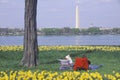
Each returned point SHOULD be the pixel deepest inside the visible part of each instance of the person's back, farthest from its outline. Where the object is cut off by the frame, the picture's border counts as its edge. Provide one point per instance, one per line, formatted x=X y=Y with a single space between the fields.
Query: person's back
x=81 y=63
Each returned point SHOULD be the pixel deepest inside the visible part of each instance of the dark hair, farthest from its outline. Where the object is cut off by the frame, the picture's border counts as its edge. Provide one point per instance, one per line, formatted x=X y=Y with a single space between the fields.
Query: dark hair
x=84 y=55
x=89 y=62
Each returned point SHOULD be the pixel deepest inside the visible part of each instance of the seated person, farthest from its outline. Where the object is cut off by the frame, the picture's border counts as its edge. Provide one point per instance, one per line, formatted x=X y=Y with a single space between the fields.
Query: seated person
x=66 y=63
x=69 y=59
x=81 y=63
x=84 y=64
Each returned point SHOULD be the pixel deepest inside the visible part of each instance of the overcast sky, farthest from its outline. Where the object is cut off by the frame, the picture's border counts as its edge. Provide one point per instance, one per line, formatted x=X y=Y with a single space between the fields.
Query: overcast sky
x=61 y=13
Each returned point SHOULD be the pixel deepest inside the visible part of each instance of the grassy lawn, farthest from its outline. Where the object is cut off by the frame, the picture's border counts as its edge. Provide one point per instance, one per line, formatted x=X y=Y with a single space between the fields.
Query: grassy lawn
x=9 y=60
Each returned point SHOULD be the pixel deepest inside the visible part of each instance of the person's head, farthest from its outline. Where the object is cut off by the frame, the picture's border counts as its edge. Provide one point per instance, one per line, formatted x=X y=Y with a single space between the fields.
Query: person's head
x=84 y=56
x=68 y=56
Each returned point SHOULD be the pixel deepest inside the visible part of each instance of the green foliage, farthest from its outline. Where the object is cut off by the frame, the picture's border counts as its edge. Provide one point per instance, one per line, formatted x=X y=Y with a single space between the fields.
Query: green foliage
x=75 y=31
x=60 y=31
x=116 y=30
x=93 y=30
x=63 y=31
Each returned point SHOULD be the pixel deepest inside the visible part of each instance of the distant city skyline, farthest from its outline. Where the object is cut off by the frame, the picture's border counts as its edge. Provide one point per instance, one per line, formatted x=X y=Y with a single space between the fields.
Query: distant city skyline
x=59 y=14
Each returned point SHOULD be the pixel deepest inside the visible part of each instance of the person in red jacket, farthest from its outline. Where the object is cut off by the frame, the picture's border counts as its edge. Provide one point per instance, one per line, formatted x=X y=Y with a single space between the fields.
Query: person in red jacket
x=81 y=63
x=84 y=64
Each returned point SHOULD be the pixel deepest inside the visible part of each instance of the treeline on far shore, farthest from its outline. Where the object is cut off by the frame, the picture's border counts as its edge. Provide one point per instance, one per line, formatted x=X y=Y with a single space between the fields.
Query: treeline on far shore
x=62 y=31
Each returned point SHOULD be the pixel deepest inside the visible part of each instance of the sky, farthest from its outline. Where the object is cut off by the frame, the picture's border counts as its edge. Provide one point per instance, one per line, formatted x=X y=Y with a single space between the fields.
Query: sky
x=61 y=13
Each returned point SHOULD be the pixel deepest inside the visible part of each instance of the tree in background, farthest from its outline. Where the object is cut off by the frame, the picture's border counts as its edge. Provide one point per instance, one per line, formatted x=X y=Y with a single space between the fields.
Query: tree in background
x=116 y=30
x=93 y=30
x=30 y=56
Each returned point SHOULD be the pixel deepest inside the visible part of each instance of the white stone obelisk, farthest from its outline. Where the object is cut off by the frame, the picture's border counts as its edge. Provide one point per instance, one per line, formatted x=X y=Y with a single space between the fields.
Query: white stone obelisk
x=77 y=14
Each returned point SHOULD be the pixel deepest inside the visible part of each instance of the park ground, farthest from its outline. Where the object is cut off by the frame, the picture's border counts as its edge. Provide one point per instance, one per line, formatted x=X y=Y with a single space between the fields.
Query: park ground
x=48 y=59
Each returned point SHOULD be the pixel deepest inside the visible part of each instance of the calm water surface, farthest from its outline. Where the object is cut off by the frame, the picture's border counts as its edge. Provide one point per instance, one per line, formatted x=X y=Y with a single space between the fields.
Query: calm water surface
x=65 y=40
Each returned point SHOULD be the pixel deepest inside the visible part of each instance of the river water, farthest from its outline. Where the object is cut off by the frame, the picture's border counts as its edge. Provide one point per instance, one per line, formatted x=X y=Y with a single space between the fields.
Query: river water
x=65 y=40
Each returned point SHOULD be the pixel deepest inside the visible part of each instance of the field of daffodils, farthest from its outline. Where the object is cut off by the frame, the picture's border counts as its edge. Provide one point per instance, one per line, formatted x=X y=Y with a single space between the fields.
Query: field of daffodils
x=48 y=75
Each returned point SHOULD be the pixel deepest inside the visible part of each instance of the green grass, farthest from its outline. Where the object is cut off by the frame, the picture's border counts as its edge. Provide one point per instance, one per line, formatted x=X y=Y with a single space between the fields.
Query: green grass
x=48 y=60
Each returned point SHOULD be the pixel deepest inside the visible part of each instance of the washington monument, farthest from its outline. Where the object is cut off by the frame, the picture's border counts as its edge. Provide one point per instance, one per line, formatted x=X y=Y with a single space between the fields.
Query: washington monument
x=77 y=14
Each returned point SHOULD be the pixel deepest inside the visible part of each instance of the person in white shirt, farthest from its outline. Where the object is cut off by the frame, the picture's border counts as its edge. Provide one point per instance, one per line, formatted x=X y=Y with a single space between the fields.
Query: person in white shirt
x=69 y=59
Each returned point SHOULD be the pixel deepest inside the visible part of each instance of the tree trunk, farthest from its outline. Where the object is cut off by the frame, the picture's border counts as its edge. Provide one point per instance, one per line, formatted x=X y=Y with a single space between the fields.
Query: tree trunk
x=30 y=56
